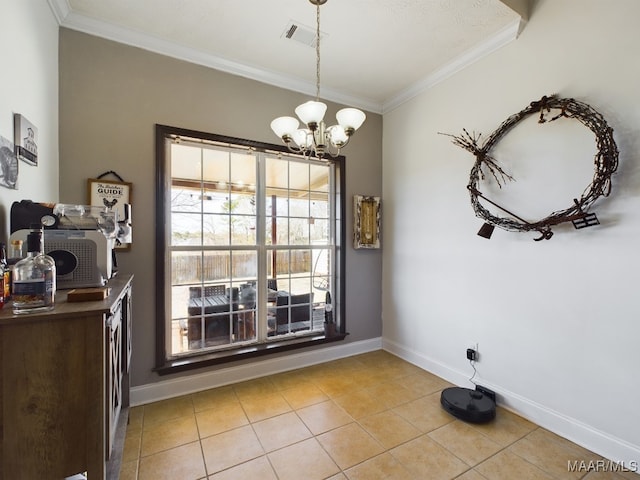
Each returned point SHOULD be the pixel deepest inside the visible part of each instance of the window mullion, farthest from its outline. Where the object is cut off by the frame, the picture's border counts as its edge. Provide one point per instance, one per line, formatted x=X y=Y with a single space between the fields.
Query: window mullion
x=262 y=293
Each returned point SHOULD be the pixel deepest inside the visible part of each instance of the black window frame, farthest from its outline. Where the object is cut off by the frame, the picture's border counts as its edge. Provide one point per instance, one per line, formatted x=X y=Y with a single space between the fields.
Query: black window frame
x=163 y=364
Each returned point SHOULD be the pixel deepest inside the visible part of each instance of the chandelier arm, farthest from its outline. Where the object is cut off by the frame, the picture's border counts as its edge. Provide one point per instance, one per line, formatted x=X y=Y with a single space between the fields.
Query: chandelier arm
x=345 y=143
x=293 y=149
x=336 y=150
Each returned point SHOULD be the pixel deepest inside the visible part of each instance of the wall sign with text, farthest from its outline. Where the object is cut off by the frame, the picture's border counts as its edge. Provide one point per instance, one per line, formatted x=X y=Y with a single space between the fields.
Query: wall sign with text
x=111 y=194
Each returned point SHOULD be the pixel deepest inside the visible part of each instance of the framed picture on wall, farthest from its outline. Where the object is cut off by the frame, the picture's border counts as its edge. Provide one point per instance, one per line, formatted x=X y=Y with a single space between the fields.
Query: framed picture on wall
x=26 y=139
x=111 y=194
x=366 y=222
x=8 y=165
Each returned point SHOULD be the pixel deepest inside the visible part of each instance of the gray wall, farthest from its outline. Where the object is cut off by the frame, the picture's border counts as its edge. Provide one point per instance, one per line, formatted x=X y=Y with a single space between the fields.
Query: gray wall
x=112 y=95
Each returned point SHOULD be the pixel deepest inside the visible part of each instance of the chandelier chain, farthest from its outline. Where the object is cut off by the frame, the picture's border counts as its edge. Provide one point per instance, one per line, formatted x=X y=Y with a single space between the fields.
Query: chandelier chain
x=317 y=51
x=316 y=138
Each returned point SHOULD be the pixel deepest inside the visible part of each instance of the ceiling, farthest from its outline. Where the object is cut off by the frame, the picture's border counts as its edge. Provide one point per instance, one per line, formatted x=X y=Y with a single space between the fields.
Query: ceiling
x=375 y=54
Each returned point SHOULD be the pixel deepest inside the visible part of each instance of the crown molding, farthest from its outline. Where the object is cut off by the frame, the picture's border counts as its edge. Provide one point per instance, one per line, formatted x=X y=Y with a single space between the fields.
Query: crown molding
x=69 y=19
x=148 y=42
x=60 y=9
x=499 y=40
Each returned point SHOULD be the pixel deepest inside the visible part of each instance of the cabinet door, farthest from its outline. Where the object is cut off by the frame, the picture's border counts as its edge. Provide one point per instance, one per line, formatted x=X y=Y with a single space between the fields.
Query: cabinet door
x=113 y=375
x=126 y=332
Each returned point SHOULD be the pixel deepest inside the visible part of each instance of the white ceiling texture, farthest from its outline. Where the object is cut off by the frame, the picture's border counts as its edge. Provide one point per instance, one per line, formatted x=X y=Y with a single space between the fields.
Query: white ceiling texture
x=375 y=54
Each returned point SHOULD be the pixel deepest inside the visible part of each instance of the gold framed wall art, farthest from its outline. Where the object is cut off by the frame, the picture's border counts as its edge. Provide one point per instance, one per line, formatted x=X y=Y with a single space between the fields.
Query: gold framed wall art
x=366 y=222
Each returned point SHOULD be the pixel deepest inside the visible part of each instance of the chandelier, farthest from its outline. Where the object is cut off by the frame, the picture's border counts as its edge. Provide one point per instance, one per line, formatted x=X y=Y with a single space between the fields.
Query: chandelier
x=317 y=139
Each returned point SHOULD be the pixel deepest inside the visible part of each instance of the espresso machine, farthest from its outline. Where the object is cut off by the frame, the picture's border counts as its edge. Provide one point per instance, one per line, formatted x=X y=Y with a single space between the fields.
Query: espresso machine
x=80 y=239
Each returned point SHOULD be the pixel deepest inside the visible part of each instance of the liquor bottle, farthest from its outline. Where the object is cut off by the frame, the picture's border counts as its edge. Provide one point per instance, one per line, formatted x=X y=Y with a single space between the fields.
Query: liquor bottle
x=5 y=282
x=34 y=278
x=15 y=255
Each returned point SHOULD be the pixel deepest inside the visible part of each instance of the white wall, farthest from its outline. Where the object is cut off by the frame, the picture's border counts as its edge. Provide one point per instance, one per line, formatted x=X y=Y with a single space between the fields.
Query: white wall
x=29 y=86
x=557 y=322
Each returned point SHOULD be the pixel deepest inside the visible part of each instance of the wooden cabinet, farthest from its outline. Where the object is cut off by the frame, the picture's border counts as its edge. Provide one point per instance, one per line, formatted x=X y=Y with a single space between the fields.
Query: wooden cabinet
x=64 y=378
x=115 y=372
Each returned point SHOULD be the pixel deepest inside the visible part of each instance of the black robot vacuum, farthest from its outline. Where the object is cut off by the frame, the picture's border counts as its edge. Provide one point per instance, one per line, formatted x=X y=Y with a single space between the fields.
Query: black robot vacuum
x=469 y=405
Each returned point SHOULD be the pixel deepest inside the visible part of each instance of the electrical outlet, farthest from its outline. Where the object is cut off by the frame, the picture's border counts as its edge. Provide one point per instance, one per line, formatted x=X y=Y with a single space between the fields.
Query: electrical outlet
x=472 y=353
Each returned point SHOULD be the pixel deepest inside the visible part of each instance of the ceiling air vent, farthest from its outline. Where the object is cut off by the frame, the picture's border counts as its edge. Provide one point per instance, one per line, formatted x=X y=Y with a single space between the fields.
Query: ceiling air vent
x=300 y=33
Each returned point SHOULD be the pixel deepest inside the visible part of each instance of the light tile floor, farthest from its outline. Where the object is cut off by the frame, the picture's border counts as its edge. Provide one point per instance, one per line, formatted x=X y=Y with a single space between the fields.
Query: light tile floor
x=367 y=417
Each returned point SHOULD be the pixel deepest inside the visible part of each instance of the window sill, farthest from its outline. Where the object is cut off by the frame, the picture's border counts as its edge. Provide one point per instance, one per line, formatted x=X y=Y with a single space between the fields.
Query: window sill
x=227 y=356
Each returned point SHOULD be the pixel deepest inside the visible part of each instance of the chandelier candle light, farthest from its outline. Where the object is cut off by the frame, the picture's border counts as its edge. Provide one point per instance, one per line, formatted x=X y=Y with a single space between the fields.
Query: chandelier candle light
x=317 y=139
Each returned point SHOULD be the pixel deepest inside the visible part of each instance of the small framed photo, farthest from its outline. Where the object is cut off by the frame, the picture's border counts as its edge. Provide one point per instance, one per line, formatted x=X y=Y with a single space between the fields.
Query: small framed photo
x=25 y=136
x=111 y=194
x=8 y=165
x=366 y=222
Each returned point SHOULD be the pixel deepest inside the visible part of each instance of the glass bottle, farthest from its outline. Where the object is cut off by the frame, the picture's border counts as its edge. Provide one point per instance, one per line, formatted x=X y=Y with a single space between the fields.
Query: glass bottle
x=15 y=255
x=15 y=252
x=34 y=278
x=4 y=293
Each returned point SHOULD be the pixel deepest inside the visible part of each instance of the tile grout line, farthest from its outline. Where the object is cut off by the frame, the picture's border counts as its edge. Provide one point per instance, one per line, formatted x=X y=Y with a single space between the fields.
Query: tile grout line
x=204 y=458
x=280 y=387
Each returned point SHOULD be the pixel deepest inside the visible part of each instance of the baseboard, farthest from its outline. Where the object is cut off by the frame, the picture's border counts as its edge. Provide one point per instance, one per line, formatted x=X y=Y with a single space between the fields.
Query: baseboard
x=187 y=384
x=602 y=443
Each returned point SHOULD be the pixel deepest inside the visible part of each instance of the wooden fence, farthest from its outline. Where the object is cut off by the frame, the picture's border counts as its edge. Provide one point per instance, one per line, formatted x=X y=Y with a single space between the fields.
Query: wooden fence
x=193 y=268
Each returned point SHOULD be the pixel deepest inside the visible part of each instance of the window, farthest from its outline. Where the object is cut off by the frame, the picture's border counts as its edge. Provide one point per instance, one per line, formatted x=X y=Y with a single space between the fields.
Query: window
x=248 y=247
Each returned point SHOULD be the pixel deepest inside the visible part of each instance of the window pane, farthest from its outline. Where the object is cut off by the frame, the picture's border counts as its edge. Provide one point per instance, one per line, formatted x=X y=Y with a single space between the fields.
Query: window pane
x=186 y=229
x=179 y=300
x=299 y=207
x=209 y=330
x=185 y=199
x=215 y=201
x=319 y=178
x=283 y=262
x=186 y=162
x=277 y=175
x=282 y=231
x=319 y=207
x=185 y=269
x=243 y=230
x=215 y=229
x=298 y=176
x=244 y=325
x=216 y=168
x=245 y=266
x=243 y=202
x=216 y=267
x=277 y=201
x=292 y=314
x=321 y=276
x=299 y=231
x=319 y=231
x=300 y=284
x=284 y=284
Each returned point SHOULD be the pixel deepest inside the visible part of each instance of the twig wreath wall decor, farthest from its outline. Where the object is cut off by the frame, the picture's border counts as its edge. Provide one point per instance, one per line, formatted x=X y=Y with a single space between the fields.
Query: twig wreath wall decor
x=605 y=162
